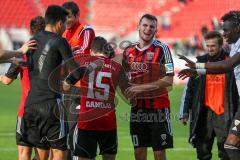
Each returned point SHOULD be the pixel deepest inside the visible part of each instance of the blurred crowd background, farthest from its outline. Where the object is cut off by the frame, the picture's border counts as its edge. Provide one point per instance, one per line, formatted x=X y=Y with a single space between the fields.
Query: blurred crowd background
x=181 y=23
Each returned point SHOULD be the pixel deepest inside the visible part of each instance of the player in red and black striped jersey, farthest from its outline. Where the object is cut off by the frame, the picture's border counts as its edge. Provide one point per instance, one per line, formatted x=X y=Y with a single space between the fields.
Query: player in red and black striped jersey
x=97 y=119
x=150 y=65
x=146 y=66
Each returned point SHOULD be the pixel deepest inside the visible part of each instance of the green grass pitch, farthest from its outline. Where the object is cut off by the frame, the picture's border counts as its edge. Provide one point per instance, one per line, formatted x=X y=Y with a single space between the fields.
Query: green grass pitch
x=10 y=97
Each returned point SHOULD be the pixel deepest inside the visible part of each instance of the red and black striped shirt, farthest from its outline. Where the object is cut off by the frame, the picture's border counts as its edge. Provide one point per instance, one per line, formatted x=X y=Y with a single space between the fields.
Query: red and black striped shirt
x=147 y=65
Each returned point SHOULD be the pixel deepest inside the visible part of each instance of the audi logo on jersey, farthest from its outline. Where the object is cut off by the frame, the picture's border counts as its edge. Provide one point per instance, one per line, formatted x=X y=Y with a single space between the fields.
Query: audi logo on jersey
x=139 y=67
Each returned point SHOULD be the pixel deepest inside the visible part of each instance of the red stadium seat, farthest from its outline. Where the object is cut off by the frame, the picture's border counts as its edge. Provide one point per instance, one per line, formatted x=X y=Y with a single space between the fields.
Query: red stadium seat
x=18 y=13
x=15 y=13
x=189 y=20
x=121 y=16
x=117 y=15
x=81 y=3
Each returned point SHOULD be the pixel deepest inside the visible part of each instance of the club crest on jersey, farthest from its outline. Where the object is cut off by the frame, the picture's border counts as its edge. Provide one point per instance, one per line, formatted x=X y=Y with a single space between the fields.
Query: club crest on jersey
x=164 y=137
x=130 y=55
x=150 y=55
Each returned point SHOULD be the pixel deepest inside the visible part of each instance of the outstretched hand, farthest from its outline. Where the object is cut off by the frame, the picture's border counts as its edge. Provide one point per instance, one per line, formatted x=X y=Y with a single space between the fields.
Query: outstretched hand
x=27 y=46
x=132 y=91
x=131 y=94
x=190 y=63
x=185 y=73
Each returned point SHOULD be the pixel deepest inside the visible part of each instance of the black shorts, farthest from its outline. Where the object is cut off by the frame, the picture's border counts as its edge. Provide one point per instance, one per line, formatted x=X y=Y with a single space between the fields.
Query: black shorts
x=235 y=127
x=72 y=105
x=19 y=131
x=85 y=143
x=45 y=125
x=151 y=128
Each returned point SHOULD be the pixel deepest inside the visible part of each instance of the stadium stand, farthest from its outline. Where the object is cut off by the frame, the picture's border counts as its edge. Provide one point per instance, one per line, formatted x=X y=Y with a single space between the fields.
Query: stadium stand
x=120 y=16
x=116 y=15
x=194 y=15
x=17 y=14
x=83 y=4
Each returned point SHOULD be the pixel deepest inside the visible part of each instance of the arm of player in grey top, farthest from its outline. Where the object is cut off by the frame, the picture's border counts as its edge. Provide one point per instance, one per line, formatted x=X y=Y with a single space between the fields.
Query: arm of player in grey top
x=223 y=66
x=5 y=55
x=4 y=60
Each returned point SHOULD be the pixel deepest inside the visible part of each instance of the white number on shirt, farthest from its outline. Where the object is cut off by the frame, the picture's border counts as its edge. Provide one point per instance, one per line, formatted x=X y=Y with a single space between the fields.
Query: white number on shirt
x=98 y=82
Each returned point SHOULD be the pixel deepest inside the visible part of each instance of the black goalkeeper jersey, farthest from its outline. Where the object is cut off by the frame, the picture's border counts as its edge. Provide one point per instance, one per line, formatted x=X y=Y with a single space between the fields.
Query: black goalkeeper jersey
x=44 y=63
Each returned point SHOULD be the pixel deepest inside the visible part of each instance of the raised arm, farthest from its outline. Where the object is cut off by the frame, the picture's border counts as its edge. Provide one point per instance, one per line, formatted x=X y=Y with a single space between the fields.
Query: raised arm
x=223 y=66
x=6 y=55
x=215 y=67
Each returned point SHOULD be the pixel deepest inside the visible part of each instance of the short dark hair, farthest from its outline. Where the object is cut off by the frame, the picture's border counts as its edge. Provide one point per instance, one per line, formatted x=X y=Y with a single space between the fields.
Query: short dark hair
x=55 y=13
x=108 y=50
x=150 y=17
x=100 y=44
x=37 y=24
x=71 y=6
x=233 y=16
x=214 y=34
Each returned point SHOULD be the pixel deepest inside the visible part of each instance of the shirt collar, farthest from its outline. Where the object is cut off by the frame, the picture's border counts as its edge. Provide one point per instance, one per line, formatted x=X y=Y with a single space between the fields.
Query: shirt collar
x=144 y=48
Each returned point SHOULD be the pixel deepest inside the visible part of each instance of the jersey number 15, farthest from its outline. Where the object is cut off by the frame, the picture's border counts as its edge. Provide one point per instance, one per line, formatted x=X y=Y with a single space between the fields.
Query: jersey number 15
x=98 y=83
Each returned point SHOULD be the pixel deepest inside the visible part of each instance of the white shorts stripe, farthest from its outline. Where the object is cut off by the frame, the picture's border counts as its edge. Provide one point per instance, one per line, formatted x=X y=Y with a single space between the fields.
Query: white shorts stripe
x=168 y=121
x=62 y=122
